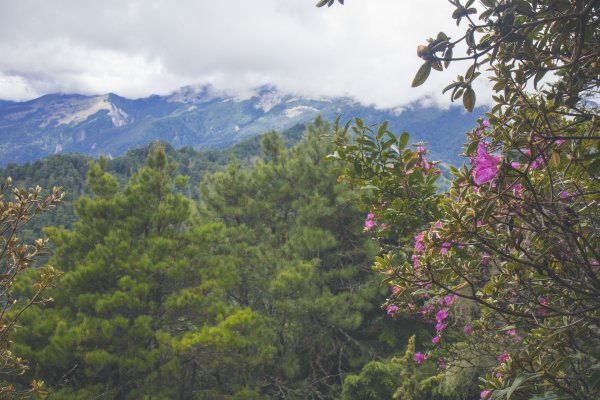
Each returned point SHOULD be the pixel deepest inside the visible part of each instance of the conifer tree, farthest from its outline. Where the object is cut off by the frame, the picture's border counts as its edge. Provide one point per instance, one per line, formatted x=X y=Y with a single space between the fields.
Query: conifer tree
x=126 y=263
x=303 y=264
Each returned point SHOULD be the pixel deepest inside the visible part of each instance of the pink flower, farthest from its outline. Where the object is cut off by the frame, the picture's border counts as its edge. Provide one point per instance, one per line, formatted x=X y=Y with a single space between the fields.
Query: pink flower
x=511 y=332
x=485 y=123
x=395 y=289
x=435 y=339
x=543 y=301
x=369 y=224
x=517 y=190
x=419 y=246
x=564 y=195
x=370 y=216
x=426 y=310
x=440 y=327
x=449 y=299
x=484 y=395
x=537 y=163
x=392 y=309
x=505 y=356
x=441 y=363
x=515 y=165
x=559 y=141
x=438 y=224
x=419 y=358
x=445 y=247
x=415 y=260
x=441 y=315
x=468 y=329
x=486 y=165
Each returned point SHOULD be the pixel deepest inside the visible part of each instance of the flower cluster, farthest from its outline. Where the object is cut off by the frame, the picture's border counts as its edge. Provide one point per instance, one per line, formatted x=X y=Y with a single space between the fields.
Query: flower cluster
x=370 y=222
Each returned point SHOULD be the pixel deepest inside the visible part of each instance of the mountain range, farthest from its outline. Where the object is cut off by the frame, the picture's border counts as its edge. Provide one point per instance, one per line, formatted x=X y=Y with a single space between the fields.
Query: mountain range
x=201 y=117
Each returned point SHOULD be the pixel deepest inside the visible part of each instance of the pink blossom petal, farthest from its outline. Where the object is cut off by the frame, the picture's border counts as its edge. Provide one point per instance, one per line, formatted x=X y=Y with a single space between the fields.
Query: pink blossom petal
x=486 y=165
x=419 y=358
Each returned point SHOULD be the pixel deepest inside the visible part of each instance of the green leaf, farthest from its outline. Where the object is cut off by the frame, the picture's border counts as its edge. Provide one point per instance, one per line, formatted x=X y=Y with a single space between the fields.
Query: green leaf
x=442 y=36
x=519 y=380
x=422 y=74
x=470 y=71
x=469 y=99
x=538 y=76
x=470 y=150
x=450 y=86
x=382 y=129
x=457 y=93
x=594 y=167
x=359 y=123
x=403 y=140
x=448 y=56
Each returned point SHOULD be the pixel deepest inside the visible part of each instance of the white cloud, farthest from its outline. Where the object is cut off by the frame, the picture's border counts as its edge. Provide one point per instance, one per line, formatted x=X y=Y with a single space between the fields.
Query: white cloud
x=365 y=49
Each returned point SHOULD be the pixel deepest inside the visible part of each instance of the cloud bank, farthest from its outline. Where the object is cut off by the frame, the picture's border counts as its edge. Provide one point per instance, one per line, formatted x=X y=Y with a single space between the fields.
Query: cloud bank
x=365 y=49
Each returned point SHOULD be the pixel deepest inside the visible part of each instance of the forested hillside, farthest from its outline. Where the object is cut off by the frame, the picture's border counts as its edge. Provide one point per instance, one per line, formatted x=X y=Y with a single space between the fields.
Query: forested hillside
x=261 y=288
x=69 y=172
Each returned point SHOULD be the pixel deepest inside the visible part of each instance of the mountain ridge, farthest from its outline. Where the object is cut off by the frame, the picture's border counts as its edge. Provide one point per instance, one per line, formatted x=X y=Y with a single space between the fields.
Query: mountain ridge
x=200 y=116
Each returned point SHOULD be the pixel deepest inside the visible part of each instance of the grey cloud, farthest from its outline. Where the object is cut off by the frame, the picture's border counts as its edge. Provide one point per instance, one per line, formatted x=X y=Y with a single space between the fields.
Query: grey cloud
x=136 y=48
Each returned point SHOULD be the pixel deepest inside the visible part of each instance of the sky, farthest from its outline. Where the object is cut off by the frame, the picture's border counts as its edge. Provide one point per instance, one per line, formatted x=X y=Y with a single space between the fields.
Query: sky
x=365 y=49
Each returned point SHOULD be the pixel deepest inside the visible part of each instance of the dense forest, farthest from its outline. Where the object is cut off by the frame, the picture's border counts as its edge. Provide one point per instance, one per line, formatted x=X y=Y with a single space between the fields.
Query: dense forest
x=330 y=264
x=259 y=287
x=69 y=172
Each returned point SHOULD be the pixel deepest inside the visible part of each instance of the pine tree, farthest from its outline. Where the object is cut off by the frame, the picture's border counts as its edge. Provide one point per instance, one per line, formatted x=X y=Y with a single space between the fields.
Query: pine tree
x=125 y=261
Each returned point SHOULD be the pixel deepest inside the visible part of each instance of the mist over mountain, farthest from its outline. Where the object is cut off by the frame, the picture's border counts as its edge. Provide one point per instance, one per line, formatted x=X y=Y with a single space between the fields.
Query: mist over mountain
x=202 y=117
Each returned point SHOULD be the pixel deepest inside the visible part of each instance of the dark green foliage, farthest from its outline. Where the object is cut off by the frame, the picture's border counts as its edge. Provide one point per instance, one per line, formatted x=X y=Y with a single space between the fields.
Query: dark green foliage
x=69 y=172
x=399 y=379
x=305 y=263
x=263 y=291
x=105 y=333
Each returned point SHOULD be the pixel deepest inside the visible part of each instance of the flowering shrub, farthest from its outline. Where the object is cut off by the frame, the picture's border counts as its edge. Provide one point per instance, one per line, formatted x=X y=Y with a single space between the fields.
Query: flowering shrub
x=517 y=240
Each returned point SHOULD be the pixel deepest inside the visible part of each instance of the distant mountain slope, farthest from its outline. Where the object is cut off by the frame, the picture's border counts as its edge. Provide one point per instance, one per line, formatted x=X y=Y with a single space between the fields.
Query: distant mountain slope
x=69 y=171
x=5 y=103
x=197 y=116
